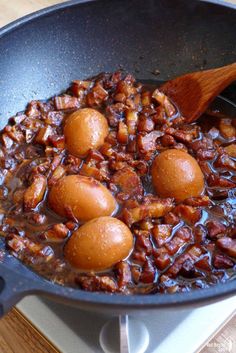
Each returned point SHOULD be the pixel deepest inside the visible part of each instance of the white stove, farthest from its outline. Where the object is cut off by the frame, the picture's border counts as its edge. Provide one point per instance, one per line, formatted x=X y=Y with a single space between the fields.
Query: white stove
x=166 y=331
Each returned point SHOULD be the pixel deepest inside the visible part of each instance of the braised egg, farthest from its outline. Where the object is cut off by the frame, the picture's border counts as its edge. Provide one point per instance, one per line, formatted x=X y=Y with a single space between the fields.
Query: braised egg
x=177 y=174
x=85 y=129
x=81 y=197
x=99 y=244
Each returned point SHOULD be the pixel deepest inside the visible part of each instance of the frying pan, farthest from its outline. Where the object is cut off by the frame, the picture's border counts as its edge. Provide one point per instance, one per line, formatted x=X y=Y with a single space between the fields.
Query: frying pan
x=42 y=53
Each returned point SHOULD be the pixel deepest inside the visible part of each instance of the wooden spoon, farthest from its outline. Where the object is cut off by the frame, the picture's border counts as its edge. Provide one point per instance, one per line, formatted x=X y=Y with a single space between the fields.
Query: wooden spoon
x=192 y=93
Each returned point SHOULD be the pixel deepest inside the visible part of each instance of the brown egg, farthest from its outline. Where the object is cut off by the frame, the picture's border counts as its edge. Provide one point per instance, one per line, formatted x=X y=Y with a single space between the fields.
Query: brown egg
x=177 y=174
x=82 y=197
x=99 y=244
x=85 y=129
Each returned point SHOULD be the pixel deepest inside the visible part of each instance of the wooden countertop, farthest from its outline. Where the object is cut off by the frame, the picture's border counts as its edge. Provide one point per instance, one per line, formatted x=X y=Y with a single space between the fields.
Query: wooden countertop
x=17 y=335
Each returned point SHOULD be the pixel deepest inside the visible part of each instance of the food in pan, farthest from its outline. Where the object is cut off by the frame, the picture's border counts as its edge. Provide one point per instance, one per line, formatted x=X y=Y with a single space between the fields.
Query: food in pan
x=107 y=188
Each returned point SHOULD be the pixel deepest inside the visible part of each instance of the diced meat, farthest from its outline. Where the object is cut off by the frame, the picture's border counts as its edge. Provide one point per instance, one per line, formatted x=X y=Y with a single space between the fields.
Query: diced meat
x=66 y=102
x=14 y=133
x=193 y=255
x=145 y=124
x=171 y=218
x=205 y=155
x=161 y=233
x=200 y=233
x=224 y=161
x=163 y=100
x=128 y=181
x=155 y=210
x=226 y=128
x=97 y=95
x=147 y=143
x=18 y=244
x=6 y=141
x=57 y=233
x=216 y=181
x=43 y=135
x=96 y=283
x=123 y=272
x=58 y=173
x=231 y=150
x=215 y=228
x=35 y=192
x=162 y=260
x=199 y=201
x=227 y=245
x=148 y=272
x=222 y=261
x=189 y=214
x=143 y=242
x=182 y=236
x=122 y=134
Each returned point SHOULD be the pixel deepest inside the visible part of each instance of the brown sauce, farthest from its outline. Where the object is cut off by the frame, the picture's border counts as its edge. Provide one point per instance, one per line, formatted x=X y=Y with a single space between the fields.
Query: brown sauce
x=191 y=245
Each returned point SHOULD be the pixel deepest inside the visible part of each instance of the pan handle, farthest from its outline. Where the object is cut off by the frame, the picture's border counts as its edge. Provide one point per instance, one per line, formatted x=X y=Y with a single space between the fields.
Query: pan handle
x=13 y=288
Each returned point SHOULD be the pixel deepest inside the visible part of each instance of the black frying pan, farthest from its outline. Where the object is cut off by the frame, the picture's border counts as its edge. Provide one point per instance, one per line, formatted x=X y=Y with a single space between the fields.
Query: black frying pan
x=42 y=53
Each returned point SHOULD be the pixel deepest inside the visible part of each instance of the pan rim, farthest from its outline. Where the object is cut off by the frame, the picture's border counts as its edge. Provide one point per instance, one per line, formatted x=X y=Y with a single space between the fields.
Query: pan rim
x=116 y=300
x=67 y=4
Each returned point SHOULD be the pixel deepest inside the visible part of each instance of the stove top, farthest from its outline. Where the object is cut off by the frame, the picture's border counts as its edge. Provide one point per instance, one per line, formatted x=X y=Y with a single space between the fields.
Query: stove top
x=76 y=331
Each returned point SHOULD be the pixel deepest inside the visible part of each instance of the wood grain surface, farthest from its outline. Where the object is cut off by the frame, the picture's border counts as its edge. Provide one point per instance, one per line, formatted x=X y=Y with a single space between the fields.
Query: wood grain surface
x=17 y=335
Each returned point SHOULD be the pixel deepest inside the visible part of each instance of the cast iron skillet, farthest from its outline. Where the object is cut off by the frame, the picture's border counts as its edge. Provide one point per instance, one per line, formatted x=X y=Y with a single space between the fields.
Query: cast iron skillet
x=43 y=52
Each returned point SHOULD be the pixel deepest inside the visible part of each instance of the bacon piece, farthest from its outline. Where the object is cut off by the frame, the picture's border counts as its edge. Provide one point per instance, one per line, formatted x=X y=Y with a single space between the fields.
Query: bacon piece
x=97 y=283
x=148 y=272
x=14 y=133
x=214 y=180
x=222 y=261
x=189 y=214
x=215 y=228
x=168 y=140
x=164 y=101
x=100 y=174
x=57 y=233
x=231 y=150
x=200 y=233
x=147 y=143
x=145 y=124
x=206 y=143
x=199 y=201
x=227 y=245
x=123 y=273
x=58 y=141
x=58 y=173
x=143 y=242
x=131 y=121
x=43 y=135
x=193 y=254
x=20 y=244
x=66 y=102
x=227 y=129
x=128 y=181
x=205 y=155
x=122 y=134
x=161 y=233
x=224 y=161
x=171 y=218
x=181 y=237
x=97 y=95
x=114 y=113
x=153 y=210
x=162 y=260
x=6 y=141
x=35 y=192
